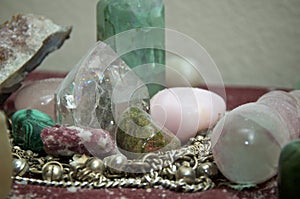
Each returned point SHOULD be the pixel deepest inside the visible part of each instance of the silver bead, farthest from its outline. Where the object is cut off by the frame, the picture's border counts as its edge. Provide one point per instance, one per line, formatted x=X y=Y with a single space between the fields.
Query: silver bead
x=52 y=171
x=29 y=153
x=95 y=164
x=20 y=167
x=186 y=173
x=209 y=169
x=115 y=163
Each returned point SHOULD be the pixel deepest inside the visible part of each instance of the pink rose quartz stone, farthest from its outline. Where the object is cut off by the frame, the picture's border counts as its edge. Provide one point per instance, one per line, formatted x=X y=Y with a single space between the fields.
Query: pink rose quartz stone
x=62 y=140
x=247 y=141
x=287 y=106
x=296 y=95
x=185 y=111
x=38 y=95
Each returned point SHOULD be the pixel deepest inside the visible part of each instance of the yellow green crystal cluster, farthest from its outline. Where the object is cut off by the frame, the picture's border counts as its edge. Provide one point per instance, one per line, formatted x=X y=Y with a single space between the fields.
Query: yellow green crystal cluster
x=138 y=134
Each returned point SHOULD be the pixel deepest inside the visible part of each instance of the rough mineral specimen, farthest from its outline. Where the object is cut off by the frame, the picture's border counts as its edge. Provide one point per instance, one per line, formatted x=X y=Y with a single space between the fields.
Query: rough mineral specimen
x=137 y=134
x=98 y=90
x=24 y=42
x=27 y=126
x=61 y=140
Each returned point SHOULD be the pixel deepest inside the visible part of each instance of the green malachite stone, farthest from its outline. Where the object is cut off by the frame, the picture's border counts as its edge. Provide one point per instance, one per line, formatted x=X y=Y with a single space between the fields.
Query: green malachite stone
x=27 y=126
x=289 y=171
x=114 y=17
x=137 y=134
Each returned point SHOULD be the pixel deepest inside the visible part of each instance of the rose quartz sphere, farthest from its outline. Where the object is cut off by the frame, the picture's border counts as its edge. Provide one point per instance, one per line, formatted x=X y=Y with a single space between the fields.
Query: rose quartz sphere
x=247 y=141
x=185 y=111
x=38 y=95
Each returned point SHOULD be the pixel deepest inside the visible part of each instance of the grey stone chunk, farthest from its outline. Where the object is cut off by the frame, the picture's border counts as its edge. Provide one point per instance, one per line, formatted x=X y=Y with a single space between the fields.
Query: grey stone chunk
x=24 y=42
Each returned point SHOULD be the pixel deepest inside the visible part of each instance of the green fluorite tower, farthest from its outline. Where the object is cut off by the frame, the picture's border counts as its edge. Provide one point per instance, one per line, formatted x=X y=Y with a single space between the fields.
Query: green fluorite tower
x=115 y=17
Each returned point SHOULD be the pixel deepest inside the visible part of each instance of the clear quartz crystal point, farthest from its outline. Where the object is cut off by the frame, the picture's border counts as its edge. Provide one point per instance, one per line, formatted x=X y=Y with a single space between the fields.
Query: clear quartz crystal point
x=98 y=89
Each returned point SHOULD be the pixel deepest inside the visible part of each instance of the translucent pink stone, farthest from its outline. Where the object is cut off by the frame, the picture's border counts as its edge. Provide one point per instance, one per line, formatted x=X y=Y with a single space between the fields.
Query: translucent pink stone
x=287 y=107
x=296 y=95
x=185 y=111
x=38 y=95
x=246 y=143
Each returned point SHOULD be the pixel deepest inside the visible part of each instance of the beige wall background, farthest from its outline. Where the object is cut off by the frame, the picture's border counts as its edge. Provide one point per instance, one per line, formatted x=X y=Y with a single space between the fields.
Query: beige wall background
x=254 y=43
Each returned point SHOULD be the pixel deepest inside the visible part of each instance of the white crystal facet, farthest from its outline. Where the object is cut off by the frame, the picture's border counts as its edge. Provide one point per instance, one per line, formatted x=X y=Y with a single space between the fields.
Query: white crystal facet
x=97 y=90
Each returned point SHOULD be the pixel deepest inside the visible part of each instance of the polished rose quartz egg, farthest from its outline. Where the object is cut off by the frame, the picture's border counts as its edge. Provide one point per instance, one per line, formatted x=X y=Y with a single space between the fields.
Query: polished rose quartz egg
x=38 y=95
x=185 y=111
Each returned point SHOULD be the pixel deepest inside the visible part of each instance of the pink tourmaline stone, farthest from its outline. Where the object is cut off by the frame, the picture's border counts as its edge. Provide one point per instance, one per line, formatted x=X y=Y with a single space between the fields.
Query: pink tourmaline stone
x=38 y=95
x=63 y=140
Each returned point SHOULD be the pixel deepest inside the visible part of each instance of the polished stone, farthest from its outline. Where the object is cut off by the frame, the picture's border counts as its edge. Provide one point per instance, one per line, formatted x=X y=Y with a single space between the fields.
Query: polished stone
x=246 y=143
x=114 y=17
x=185 y=111
x=289 y=171
x=288 y=107
x=38 y=95
x=296 y=95
x=27 y=125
